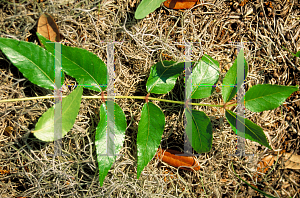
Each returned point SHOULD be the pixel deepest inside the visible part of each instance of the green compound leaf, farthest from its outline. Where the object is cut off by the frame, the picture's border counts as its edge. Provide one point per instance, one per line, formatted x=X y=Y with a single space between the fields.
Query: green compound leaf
x=146 y=7
x=252 y=131
x=230 y=80
x=150 y=130
x=44 y=129
x=34 y=62
x=81 y=64
x=199 y=131
x=205 y=75
x=267 y=97
x=163 y=76
x=105 y=161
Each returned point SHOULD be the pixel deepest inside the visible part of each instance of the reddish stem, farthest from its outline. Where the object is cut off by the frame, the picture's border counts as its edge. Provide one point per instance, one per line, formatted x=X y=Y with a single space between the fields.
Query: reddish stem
x=146 y=98
x=102 y=97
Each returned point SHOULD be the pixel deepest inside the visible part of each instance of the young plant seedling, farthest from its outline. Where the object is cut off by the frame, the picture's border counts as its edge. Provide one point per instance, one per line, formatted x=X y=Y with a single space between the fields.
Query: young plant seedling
x=37 y=65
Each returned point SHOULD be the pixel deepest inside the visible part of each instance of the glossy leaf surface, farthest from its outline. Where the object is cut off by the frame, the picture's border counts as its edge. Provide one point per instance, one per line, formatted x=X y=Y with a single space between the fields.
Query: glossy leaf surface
x=229 y=88
x=199 y=131
x=81 y=64
x=146 y=7
x=44 y=128
x=33 y=61
x=267 y=97
x=163 y=76
x=150 y=130
x=252 y=131
x=205 y=75
x=105 y=160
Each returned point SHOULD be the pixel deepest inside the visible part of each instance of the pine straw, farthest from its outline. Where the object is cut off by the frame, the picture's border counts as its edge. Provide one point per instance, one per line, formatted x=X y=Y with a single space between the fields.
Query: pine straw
x=33 y=171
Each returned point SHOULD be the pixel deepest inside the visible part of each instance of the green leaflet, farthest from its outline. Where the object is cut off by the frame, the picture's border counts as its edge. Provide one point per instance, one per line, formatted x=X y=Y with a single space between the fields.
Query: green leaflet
x=44 y=128
x=34 y=62
x=267 y=97
x=199 y=131
x=205 y=73
x=252 y=131
x=146 y=7
x=163 y=76
x=231 y=79
x=104 y=160
x=81 y=64
x=150 y=130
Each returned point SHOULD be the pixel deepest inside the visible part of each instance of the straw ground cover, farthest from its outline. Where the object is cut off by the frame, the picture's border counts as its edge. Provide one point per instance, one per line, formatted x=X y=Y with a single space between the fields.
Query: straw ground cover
x=27 y=165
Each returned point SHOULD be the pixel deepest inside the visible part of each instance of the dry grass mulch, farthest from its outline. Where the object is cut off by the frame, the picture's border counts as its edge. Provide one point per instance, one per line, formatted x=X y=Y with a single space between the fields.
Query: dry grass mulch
x=27 y=165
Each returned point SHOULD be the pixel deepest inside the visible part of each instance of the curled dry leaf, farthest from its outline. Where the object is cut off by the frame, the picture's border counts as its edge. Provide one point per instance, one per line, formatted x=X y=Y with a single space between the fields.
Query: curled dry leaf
x=170 y=158
x=180 y=4
x=48 y=28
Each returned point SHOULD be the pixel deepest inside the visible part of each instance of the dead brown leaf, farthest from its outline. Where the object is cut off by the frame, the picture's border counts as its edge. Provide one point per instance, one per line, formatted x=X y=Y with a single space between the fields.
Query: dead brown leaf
x=293 y=161
x=265 y=164
x=180 y=4
x=169 y=156
x=48 y=28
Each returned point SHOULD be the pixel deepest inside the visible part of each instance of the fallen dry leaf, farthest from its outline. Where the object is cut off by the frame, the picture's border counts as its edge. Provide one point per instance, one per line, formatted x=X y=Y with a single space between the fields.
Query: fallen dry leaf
x=170 y=158
x=265 y=164
x=48 y=28
x=293 y=161
x=180 y=4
